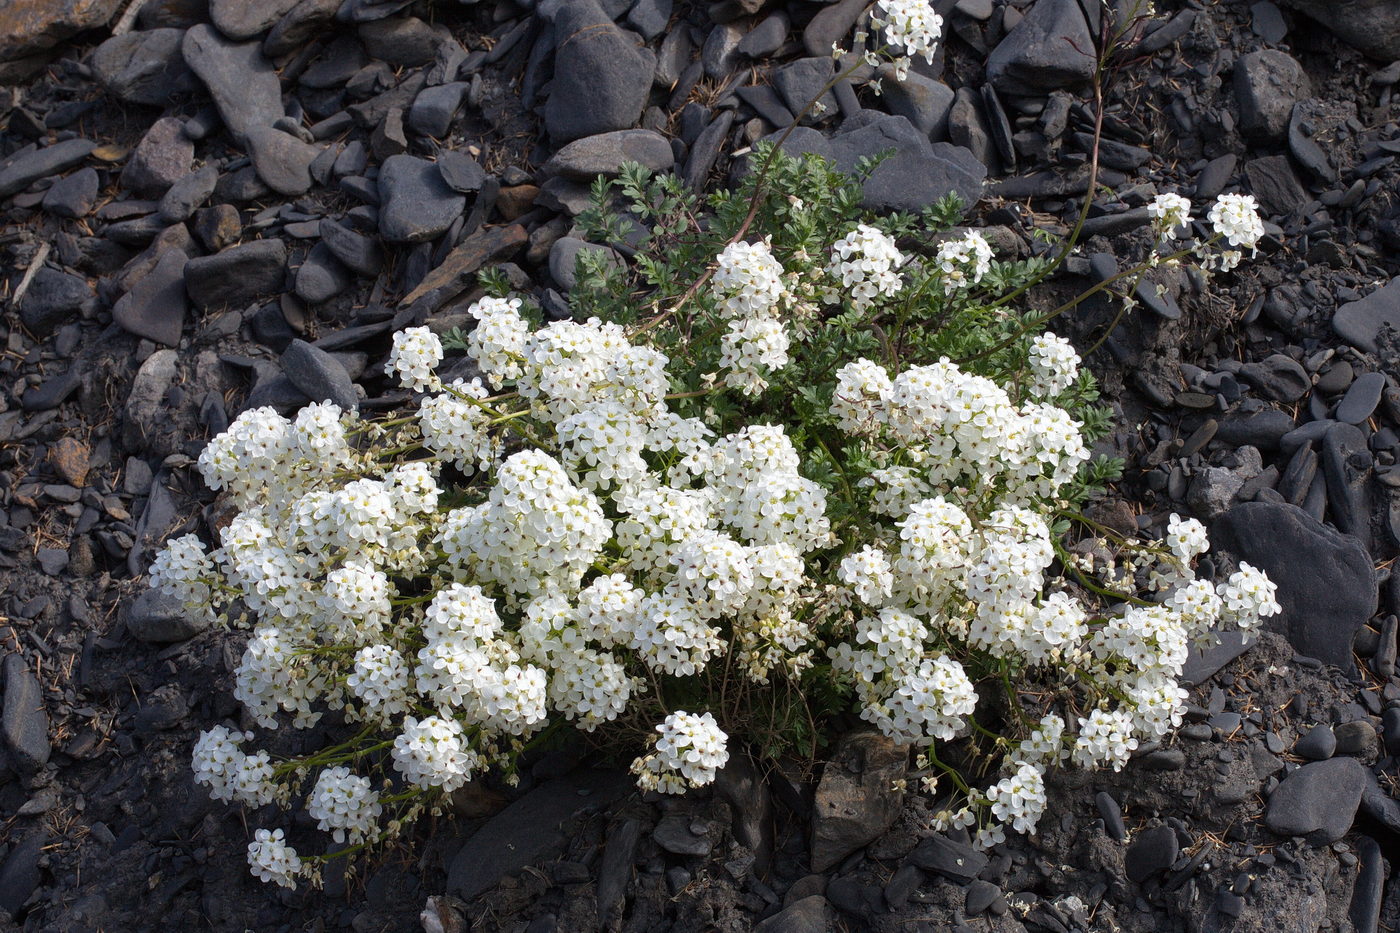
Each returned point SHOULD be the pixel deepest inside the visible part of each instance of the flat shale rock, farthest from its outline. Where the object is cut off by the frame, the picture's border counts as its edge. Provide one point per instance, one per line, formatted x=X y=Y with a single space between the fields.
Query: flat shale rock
x=415 y=202
x=28 y=27
x=20 y=171
x=239 y=77
x=855 y=801
x=1373 y=26
x=145 y=67
x=157 y=304
x=584 y=159
x=601 y=75
x=1361 y=323
x=1050 y=49
x=244 y=19
x=1325 y=580
x=1267 y=85
x=1318 y=801
x=162 y=158
x=236 y=276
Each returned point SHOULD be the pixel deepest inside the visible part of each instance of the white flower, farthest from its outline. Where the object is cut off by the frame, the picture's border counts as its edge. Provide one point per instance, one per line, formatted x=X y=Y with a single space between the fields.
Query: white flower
x=1105 y=738
x=183 y=569
x=380 y=679
x=963 y=261
x=748 y=281
x=861 y=398
x=1169 y=212
x=417 y=352
x=458 y=429
x=1248 y=596
x=867 y=573
x=866 y=262
x=1235 y=217
x=498 y=341
x=1054 y=364
x=749 y=347
x=431 y=753
x=343 y=804
x=689 y=751
x=911 y=27
x=1186 y=537
x=1020 y=799
x=271 y=859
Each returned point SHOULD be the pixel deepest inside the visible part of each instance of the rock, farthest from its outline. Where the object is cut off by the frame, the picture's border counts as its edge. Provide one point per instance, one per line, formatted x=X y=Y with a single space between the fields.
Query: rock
x=282 y=161
x=239 y=77
x=832 y=25
x=812 y=914
x=19 y=172
x=1346 y=464
x=449 y=278
x=1281 y=377
x=28 y=27
x=922 y=101
x=186 y=195
x=1359 y=323
x=240 y=19
x=855 y=801
x=24 y=721
x=321 y=277
x=162 y=158
x=401 y=41
x=217 y=227
x=528 y=828
x=359 y=253
x=800 y=81
x=911 y=181
x=1369 y=892
x=1373 y=26
x=1112 y=816
x=73 y=195
x=1357 y=737
x=19 y=876
x=563 y=259
x=434 y=108
x=649 y=17
x=1267 y=85
x=1212 y=490
x=299 y=25
x=156 y=305
x=415 y=203
x=237 y=276
x=1326 y=585
x=53 y=299
x=1361 y=399
x=584 y=159
x=319 y=375
x=1262 y=429
x=146 y=411
x=1274 y=183
x=1152 y=851
x=615 y=872
x=1318 y=801
x=156 y=618
x=956 y=861
x=144 y=67
x=1318 y=744
x=765 y=38
x=674 y=835
x=1051 y=48
x=601 y=77
x=460 y=171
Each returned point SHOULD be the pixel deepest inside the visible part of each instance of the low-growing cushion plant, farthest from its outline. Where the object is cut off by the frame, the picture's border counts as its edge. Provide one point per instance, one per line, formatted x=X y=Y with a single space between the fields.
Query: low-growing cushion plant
x=792 y=462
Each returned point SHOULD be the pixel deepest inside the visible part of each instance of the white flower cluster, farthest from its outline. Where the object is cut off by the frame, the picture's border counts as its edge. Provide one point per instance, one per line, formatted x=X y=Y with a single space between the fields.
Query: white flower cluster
x=343 y=804
x=963 y=261
x=748 y=281
x=910 y=27
x=1169 y=213
x=1054 y=365
x=271 y=859
x=688 y=752
x=1236 y=218
x=865 y=264
x=417 y=352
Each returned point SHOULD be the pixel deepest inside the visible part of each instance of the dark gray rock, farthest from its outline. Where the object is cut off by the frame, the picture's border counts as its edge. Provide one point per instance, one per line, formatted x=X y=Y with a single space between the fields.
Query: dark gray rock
x=239 y=77
x=1263 y=429
x=156 y=618
x=1373 y=26
x=156 y=305
x=237 y=276
x=73 y=196
x=911 y=181
x=674 y=835
x=585 y=159
x=1318 y=744
x=832 y=25
x=143 y=67
x=299 y=25
x=922 y=101
x=1361 y=399
x=162 y=158
x=19 y=876
x=1112 y=816
x=856 y=801
x=53 y=299
x=528 y=828
x=319 y=375
x=649 y=17
x=434 y=108
x=359 y=253
x=415 y=202
x=812 y=914
x=956 y=861
x=1326 y=585
x=402 y=41
x=1346 y=463
x=800 y=81
x=20 y=171
x=601 y=76
x=968 y=127
x=1318 y=801
x=1152 y=851
x=1279 y=376
x=1357 y=737
x=282 y=161
x=720 y=54
x=188 y=194
x=1276 y=186
x=239 y=19
x=1305 y=149
x=24 y=721
x=460 y=171
x=1267 y=85
x=321 y=277
x=563 y=259
x=1360 y=323
x=615 y=871
x=1051 y=48
x=765 y=38
x=1369 y=893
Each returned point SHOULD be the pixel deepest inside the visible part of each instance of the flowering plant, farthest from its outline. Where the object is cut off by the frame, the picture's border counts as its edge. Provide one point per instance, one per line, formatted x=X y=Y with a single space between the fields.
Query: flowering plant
x=795 y=461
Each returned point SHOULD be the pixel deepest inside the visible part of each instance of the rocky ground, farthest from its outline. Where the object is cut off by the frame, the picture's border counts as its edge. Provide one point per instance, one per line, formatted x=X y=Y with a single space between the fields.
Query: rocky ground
x=212 y=204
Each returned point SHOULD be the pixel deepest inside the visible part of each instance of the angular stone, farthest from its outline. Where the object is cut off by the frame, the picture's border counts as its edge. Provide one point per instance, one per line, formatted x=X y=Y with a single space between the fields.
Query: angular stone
x=434 y=108
x=155 y=307
x=359 y=253
x=244 y=19
x=187 y=194
x=585 y=159
x=460 y=171
x=486 y=245
x=53 y=299
x=282 y=160
x=1267 y=85
x=921 y=100
x=24 y=722
x=144 y=67
x=416 y=204
x=1360 y=323
x=1050 y=49
x=238 y=275
x=601 y=77
x=19 y=172
x=319 y=375
x=1373 y=26
x=321 y=277
x=162 y=158
x=856 y=801
x=156 y=618
x=811 y=914
x=31 y=26
x=73 y=195
x=239 y=77
x=1326 y=583
x=1318 y=801
x=956 y=861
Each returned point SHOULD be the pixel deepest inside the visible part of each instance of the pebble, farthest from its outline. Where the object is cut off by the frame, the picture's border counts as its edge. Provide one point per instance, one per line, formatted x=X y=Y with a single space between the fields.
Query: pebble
x=1361 y=399
x=72 y=196
x=954 y=860
x=1319 y=743
x=1318 y=801
x=236 y=276
x=321 y=276
x=24 y=721
x=162 y=158
x=1152 y=851
x=1112 y=816
x=360 y=253
x=1031 y=60
x=155 y=307
x=157 y=618
x=143 y=67
x=1357 y=737
x=601 y=78
x=319 y=375
x=416 y=204
x=585 y=159
x=20 y=171
x=281 y=160
x=239 y=77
